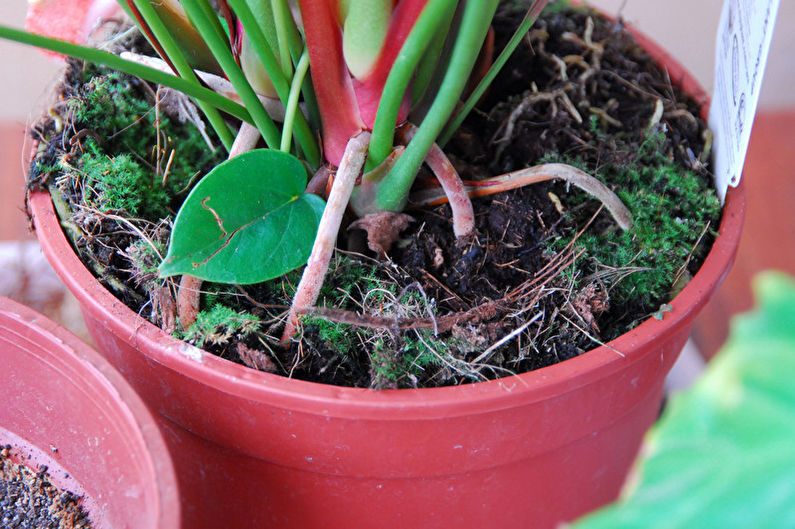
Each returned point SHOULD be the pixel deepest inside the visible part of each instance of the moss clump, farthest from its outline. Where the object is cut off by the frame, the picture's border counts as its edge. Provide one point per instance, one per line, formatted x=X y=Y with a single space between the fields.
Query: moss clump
x=403 y=364
x=120 y=183
x=672 y=207
x=140 y=158
x=145 y=257
x=219 y=325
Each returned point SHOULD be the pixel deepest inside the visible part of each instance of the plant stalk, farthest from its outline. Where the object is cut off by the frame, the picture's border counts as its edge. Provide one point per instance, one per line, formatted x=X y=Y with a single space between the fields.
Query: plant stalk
x=393 y=191
x=303 y=132
x=412 y=52
x=292 y=101
x=203 y=18
x=311 y=282
x=194 y=90
x=339 y=110
x=527 y=22
x=175 y=57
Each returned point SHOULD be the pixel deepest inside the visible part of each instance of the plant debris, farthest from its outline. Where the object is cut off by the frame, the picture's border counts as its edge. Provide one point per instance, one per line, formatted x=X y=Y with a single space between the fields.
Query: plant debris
x=547 y=275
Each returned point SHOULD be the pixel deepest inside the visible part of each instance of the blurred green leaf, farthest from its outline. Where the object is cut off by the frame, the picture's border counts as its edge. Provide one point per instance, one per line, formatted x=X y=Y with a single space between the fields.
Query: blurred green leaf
x=247 y=221
x=723 y=455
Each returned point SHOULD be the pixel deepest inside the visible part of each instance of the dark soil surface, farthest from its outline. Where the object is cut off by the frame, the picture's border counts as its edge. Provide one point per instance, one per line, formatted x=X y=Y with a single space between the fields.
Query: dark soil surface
x=28 y=500
x=548 y=275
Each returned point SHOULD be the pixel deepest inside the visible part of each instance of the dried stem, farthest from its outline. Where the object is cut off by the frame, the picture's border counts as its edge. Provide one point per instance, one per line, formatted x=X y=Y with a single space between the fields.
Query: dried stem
x=188 y=298
x=532 y=175
x=316 y=267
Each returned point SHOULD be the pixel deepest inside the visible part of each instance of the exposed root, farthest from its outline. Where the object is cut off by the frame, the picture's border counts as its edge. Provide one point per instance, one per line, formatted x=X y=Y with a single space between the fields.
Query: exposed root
x=312 y=279
x=533 y=175
x=552 y=98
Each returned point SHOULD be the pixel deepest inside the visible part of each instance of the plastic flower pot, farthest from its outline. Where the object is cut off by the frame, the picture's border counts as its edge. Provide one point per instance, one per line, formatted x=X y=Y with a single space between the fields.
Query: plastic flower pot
x=66 y=407
x=258 y=450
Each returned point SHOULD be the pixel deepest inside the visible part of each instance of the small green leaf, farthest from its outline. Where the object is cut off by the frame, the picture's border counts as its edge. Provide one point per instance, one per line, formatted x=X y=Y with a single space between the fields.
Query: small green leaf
x=247 y=221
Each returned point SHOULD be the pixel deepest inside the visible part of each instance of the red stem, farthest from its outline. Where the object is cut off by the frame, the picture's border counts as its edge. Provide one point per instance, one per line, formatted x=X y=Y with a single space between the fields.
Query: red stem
x=369 y=89
x=339 y=111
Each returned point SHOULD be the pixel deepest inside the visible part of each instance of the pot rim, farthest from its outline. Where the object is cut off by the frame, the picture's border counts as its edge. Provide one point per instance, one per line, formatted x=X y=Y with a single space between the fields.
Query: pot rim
x=131 y=408
x=257 y=386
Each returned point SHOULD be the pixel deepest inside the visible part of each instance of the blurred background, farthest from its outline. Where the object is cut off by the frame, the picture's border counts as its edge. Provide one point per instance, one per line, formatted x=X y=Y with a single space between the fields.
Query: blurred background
x=686 y=28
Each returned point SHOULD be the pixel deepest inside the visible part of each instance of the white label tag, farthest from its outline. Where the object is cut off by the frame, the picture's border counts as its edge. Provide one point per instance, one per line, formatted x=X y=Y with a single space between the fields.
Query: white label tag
x=744 y=34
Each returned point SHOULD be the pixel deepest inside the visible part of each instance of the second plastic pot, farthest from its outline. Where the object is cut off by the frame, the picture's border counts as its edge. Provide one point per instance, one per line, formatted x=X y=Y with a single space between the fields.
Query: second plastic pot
x=64 y=406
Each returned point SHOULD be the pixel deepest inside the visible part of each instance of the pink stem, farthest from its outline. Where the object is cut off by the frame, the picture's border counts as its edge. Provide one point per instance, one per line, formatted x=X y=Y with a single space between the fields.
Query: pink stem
x=188 y=299
x=316 y=267
x=339 y=111
x=452 y=185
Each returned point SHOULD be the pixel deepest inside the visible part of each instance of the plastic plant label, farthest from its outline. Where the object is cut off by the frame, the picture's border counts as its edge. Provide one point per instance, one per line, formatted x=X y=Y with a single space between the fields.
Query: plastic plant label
x=744 y=34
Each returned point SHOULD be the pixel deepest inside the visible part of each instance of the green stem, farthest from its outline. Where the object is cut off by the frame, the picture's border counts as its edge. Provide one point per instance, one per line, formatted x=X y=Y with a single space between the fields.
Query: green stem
x=280 y=18
x=171 y=48
x=423 y=32
x=528 y=21
x=292 y=102
x=430 y=59
x=203 y=17
x=303 y=132
x=393 y=191
x=92 y=55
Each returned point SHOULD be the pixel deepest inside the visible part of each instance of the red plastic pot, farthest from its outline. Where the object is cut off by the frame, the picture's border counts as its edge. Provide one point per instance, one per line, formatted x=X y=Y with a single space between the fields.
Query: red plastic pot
x=64 y=406
x=256 y=450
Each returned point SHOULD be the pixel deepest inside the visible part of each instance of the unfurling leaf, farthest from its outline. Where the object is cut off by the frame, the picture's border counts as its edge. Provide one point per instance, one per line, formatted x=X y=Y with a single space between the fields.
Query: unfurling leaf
x=247 y=221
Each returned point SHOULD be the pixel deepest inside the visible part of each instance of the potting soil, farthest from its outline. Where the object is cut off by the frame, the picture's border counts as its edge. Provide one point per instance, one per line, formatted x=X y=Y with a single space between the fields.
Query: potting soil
x=547 y=276
x=29 y=500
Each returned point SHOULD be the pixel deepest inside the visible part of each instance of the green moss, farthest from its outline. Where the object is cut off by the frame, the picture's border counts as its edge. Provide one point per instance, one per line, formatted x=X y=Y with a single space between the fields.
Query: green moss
x=127 y=146
x=218 y=325
x=145 y=257
x=337 y=337
x=402 y=368
x=120 y=183
x=671 y=208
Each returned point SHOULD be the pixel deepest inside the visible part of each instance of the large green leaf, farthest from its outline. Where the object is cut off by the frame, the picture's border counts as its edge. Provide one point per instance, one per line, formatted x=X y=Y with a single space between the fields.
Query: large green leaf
x=723 y=455
x=247 y=221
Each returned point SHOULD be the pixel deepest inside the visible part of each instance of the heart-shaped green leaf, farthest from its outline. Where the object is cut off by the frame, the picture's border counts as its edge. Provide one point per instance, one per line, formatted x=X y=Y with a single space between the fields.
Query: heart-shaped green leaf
x=247 y=221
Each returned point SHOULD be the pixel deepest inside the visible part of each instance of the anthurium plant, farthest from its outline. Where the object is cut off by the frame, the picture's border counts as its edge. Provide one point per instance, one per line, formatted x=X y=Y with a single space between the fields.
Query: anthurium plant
x=360 y=93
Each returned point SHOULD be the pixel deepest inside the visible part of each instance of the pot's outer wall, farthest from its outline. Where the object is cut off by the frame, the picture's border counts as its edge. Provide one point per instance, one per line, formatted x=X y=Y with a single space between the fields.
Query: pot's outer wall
x=63 y=405
x=256 y=450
